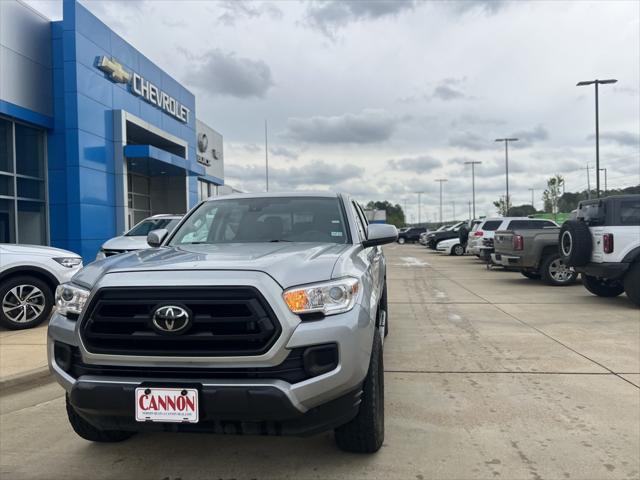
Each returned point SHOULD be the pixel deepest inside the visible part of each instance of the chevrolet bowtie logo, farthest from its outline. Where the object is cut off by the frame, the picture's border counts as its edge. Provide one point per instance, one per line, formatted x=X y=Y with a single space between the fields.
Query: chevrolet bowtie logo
x=115 y=70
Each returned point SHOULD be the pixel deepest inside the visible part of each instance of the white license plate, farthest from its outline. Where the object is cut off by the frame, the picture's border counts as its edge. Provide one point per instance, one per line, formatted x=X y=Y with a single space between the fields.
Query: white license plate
x=166 y=405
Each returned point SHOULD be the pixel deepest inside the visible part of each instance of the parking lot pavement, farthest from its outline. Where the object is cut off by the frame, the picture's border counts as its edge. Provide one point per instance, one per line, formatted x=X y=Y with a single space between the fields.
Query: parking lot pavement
x=488 y=375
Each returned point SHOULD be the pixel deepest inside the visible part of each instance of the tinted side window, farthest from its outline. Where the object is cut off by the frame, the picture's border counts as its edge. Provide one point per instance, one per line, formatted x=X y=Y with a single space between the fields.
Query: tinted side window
x=491 y=225
x=630 y=213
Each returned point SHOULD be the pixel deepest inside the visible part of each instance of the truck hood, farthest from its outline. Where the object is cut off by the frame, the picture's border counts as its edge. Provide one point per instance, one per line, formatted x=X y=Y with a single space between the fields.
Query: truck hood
x=288 y=264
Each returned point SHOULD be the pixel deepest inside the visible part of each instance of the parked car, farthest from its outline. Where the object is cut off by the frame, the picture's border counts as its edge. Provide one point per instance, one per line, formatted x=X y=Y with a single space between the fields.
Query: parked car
x=451 y=246
x=29 y=275
x=411 y=235
x=531 y=246
x=273 y=324
x=481 y=238
x=136 y=238
x=422 y=239
x=445 y=234
x=603 y=244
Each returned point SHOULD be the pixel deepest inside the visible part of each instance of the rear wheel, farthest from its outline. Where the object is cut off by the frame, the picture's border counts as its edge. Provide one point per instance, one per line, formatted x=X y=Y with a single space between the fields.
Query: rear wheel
x=401 y=240
x=25 y=302
x=632 y=283
x=602 y=287
x=365 y=433
x=91 y=433
x=530 y=275
x=457 y=250
x=554 y=271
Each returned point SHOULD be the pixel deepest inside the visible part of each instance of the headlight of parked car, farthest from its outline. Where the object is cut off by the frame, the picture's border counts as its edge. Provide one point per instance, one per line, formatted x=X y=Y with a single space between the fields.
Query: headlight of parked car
x=329 y=298
x=69 y=262
x=70 y=299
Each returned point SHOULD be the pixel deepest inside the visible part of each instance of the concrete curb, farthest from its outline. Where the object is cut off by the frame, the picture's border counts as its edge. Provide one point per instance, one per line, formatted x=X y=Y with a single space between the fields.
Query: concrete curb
x=24 y=379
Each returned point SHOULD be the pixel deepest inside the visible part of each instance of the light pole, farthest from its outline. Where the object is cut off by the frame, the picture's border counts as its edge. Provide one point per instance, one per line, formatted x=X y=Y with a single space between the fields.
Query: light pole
x=473 y=164
x=605 y=180
x=266 y=155
x=441 y=180
x=532 y=204
x=596 y=83
x=506 y=165
x=419 y=207
x=470 y=217
x=587 y=168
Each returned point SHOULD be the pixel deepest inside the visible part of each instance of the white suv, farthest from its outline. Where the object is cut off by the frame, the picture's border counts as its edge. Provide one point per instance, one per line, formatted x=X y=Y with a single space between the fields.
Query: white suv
x=603 y=243
x=29 y=275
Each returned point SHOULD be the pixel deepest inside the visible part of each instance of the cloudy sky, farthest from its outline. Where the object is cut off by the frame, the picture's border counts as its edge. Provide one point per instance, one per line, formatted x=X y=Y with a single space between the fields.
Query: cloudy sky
x=380 y=98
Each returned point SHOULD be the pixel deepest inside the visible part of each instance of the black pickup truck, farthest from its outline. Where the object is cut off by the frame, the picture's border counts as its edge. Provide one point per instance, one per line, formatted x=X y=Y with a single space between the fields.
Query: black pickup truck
x=452 y=232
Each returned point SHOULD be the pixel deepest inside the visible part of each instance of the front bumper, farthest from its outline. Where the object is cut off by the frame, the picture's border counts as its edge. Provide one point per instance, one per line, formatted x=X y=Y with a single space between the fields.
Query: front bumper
x=264 y=410
x=610 y=271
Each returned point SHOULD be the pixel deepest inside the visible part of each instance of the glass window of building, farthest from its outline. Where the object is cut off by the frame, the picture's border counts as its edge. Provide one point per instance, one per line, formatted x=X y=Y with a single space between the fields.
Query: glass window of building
x=23 y=208
x=206 y=190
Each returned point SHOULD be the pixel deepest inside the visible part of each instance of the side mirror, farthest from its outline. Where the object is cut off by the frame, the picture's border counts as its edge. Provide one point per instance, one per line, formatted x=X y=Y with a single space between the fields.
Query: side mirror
x=156 y=237
x=380 y=234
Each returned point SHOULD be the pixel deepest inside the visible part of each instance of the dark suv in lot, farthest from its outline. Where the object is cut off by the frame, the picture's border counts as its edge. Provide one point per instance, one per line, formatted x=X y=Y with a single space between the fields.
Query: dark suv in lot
x=411 y=235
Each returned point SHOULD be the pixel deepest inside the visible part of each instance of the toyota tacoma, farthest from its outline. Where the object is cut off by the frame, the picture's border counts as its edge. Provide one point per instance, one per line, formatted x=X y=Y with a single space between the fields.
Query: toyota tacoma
x=258 y=314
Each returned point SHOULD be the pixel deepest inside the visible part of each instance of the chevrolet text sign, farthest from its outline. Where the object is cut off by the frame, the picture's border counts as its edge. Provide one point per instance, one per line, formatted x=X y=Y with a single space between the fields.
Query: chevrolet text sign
x=143 y=88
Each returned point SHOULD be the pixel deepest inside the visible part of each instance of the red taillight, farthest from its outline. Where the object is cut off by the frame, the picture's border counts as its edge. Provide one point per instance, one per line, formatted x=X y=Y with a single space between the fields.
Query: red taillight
x=607 y=242
x=518 y=242
x=478 y=233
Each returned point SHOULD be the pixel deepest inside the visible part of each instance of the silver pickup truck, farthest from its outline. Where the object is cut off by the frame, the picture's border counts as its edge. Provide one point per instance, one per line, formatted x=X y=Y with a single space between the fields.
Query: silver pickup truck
x=258 y=314
x=535 y=253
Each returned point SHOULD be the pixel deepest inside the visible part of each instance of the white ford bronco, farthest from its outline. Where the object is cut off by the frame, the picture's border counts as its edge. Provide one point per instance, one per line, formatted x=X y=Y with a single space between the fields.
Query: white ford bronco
x=603 y=244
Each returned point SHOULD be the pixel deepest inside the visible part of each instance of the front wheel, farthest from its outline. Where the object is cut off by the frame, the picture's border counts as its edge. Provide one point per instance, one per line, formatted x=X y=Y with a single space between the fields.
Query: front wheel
x=365 y=433
x=602 y=287
x=457 y=250
x=555 y=272
x=25 y=302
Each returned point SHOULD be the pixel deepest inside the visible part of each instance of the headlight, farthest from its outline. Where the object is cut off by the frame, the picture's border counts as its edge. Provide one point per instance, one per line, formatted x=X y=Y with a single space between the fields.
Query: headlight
x=70 y=299
x=332 y=297
x=101 y=255
x=69 y=262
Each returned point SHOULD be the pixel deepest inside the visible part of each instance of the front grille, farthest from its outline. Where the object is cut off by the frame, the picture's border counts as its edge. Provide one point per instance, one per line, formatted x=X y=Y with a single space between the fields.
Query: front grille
x=291 y=370
x=226 y=321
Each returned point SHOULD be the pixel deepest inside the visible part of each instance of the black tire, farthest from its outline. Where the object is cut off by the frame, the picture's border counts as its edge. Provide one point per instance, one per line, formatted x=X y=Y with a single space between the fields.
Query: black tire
x=91 y=433
x=42 y=302
x=632 y=283
x=601 y=287
x=402 y=240
x=554 y=272
x=457 y=250
x=384 y=305
x=575 y=243
x=530 y=275
x=365 y=433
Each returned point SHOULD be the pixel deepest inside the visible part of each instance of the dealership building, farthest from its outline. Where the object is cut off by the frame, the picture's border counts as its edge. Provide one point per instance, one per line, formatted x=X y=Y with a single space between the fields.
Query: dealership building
x=94 y=136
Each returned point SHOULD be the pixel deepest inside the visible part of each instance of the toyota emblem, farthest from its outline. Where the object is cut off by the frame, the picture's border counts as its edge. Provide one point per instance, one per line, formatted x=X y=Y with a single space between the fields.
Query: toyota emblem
x=171 y=319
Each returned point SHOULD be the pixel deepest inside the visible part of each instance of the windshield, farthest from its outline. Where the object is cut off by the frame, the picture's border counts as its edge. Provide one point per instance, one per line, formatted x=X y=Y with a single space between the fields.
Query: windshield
x=145 y=226
x=286 y=219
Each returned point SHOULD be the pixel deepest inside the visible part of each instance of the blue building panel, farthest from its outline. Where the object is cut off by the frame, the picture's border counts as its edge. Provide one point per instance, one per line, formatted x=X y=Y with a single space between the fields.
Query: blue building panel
x=81 y=148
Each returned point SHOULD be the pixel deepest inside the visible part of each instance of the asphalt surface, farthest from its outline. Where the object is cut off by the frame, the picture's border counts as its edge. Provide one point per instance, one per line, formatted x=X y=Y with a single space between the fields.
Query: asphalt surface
x=488 y=375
